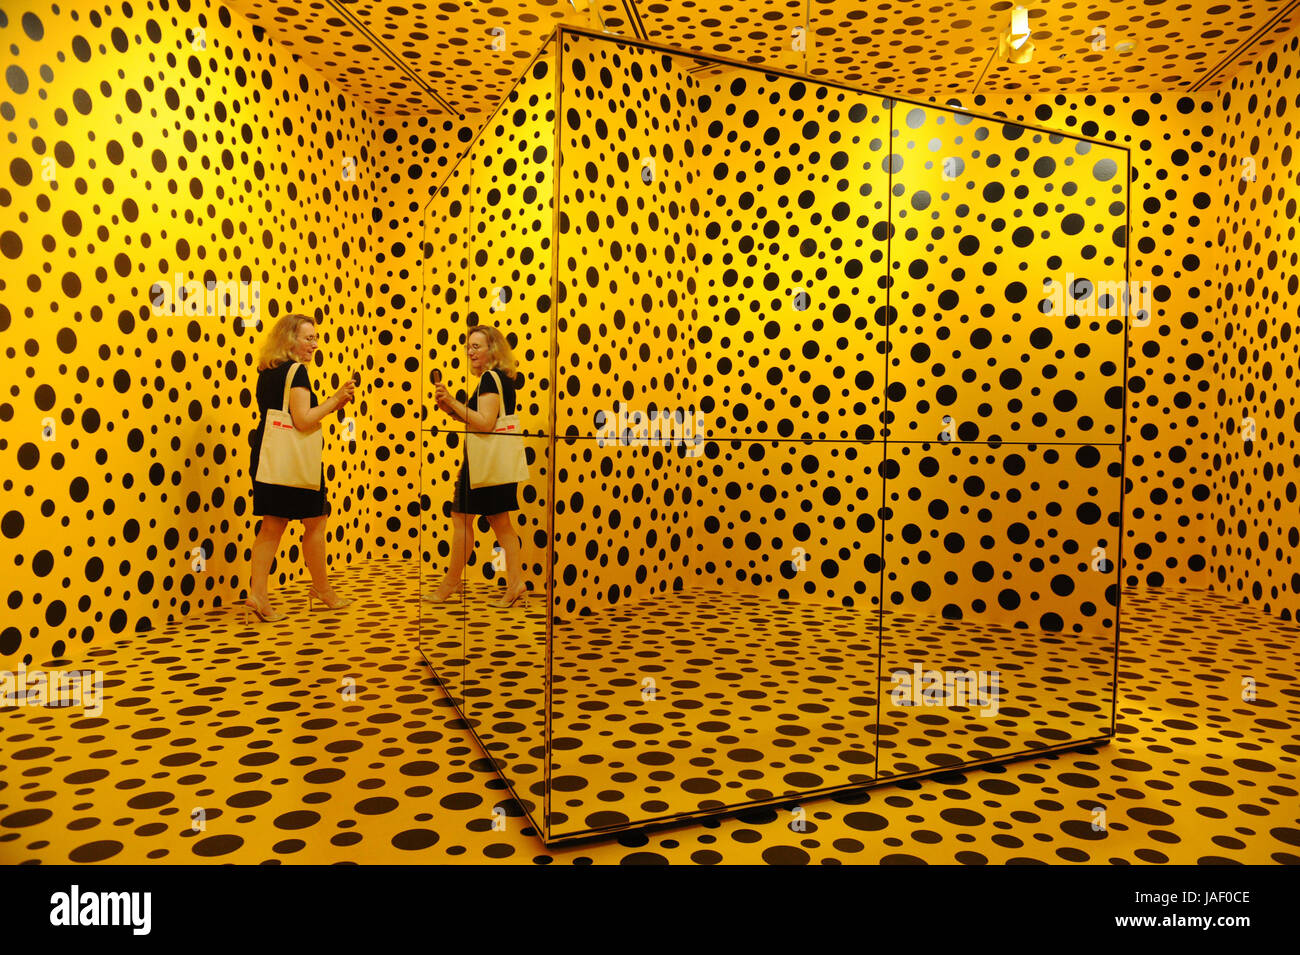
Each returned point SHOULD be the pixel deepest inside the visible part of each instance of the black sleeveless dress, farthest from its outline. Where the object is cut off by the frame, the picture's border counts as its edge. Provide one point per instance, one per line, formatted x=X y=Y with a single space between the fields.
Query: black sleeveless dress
x=497 y=497
x=276 y=500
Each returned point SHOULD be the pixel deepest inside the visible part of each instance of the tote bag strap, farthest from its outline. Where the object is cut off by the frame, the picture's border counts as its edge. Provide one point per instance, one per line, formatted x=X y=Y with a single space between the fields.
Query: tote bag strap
x=501 y=391
x=288 y=383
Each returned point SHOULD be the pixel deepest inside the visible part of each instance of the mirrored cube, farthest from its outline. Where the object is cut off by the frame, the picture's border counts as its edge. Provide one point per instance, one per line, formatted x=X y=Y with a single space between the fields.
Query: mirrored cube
x=820 y=395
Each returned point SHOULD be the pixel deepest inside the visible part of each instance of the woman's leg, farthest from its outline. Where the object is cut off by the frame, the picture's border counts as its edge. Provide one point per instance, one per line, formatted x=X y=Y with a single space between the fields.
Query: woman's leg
x=265 y=547
x=462 y=545
x=313 y=551
x=504 y=527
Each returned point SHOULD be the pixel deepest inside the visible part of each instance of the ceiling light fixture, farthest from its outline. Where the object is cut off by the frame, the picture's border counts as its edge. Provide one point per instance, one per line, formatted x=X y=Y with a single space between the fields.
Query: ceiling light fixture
x=1015 y=45
x=590 y=7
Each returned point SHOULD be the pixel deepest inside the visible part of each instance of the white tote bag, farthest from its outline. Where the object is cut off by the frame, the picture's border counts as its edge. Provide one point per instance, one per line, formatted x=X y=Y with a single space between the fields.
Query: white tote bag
x=497 y=458
x=289 y=457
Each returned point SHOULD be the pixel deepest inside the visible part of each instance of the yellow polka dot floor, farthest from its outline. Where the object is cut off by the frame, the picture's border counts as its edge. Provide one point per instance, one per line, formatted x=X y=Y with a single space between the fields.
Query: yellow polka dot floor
x=325 y=738
x=833 y=269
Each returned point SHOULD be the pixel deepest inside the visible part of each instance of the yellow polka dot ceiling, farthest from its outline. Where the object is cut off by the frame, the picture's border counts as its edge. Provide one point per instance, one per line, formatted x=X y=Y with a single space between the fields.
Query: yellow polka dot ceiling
x=299 y=148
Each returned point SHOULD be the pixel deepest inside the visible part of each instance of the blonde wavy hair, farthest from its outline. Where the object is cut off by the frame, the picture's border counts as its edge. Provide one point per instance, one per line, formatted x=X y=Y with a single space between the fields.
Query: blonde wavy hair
x=280 y=340
x=499 y=354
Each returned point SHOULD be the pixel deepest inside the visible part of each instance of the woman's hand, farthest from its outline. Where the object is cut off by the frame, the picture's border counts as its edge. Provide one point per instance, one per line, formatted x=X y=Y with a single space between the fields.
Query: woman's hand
x=443 y=397
x=344 y=394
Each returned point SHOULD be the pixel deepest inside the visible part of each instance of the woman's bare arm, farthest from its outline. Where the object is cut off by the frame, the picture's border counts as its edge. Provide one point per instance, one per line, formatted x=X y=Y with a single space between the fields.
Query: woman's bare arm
x=305 y=417
x=483 y=420
x=447 y=407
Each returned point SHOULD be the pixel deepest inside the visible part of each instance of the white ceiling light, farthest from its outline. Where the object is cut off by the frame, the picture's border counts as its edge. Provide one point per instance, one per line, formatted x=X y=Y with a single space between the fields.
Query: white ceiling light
x=589 y=7
x=1014 y=44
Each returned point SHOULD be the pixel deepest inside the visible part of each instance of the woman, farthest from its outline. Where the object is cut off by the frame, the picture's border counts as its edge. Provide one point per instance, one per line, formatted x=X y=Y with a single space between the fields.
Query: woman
x=488 y=351
x=292 y=339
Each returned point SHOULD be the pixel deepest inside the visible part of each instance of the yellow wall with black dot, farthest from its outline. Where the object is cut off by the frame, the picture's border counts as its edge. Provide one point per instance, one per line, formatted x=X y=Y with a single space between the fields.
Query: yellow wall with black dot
x=154 y=146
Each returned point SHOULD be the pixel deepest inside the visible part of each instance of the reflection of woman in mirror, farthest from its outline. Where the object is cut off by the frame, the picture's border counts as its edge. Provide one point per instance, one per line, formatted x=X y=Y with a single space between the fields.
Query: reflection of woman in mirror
x=488 y=350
